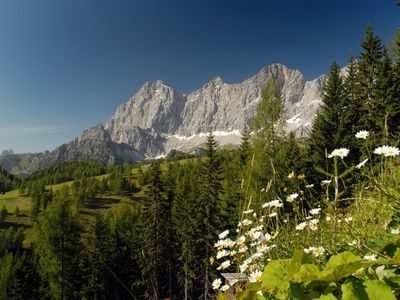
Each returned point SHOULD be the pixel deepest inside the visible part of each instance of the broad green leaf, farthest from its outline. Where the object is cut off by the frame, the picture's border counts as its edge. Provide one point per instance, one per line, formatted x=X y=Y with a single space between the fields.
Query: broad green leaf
x=246 y=295
x=221 y=296
x=396 y=255
x=327 y=297
x=342 y=258
x=253 y=286
x=378 y=290
x=307 y=272
x=274 y=276
x=341 y=265
x=297 y=260
x=353 y=290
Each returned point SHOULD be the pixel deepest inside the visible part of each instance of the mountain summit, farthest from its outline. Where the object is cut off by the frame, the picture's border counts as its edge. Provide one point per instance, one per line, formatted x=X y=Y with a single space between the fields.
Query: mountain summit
x=158 y=119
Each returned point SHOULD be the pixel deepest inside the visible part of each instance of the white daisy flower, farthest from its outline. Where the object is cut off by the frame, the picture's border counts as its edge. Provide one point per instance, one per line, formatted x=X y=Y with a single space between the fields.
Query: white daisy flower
x=292 y=197
x=217 y=284
x=223 y=234
x=246 y=222
x=342 y=152
x=371 y=257
x=391 y=151
x=243 y=249
x=348 y=219
x=241 y=240
x=315 y=211
x=301 y=226
x=225 y=288
x=318 y=251
x=387 y=151
x=326 y=181
x=226 y=264
x=222 y=253
x=255 y=276
x=274 y=203
x=362 y=134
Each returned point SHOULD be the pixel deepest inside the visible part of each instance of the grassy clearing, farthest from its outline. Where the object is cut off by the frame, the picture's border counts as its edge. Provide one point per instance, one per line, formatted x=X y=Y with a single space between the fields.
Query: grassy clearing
x=13 y=199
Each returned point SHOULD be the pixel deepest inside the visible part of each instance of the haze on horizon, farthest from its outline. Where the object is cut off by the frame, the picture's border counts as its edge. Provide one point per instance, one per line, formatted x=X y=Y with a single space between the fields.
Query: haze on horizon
x=66 y=65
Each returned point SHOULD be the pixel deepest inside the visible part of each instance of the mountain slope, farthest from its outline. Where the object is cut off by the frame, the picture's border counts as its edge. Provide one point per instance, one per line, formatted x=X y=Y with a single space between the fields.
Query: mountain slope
x=158 y=119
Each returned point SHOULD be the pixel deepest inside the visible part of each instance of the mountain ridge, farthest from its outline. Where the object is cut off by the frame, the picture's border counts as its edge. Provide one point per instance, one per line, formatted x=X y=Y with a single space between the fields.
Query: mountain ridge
x=158 y=119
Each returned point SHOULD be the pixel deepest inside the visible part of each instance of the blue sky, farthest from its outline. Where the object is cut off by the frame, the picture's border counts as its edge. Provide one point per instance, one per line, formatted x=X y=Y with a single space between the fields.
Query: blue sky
x=65 y=65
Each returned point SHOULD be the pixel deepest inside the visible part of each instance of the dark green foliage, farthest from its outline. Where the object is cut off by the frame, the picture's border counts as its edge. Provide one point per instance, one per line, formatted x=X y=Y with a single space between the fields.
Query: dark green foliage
x=267 y=165
x=370 y=59
x=59 y=231
x=26 y=279
x=11 y=241
x=3 y=214
x=7 y=181
x=245 y=147
x=98 y=258
x=327 y=132
x=66 y=171
x=83 y=190
x=156 y=238
x=209 y=211
x=183 y=216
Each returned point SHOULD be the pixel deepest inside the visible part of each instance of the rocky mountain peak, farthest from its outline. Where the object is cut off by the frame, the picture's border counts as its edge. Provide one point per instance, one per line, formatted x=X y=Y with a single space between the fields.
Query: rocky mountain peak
x=158 y=119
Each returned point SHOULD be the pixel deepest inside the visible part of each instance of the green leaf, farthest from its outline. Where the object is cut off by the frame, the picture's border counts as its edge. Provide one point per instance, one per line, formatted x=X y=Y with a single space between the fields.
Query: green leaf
x=253 y=286
x=327 y=297
x=353 y=290
x=341 y=265
x=275 y=275
x=299 y=258
x=222 y=296
x=307 y=272
x=246 y=295
x=378 y=290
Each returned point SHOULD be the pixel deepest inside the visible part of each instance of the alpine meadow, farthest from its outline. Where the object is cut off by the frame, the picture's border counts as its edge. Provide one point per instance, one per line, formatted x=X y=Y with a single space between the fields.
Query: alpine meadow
x=276 y=187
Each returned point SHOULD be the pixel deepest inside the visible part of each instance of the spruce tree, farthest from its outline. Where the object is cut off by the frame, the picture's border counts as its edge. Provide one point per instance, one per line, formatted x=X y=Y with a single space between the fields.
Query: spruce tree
x=156 y=236
x=387 y=106
x=98 y=249
x=370 y=59
x=183 y=213
x=245 y=149
x=327 y=134
x=58 y=247
x=210 y=187
x=268 y=128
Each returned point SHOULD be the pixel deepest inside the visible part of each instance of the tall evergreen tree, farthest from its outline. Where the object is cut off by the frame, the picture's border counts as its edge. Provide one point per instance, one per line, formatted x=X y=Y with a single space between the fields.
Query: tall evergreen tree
x=58 y=247
x=210 y=188
x=95 y=268
x=327 y=133
x=245 y=149
x=387 y=104
x=370 y=59
x=268 y=127
x=156 y=237
x=183 y=212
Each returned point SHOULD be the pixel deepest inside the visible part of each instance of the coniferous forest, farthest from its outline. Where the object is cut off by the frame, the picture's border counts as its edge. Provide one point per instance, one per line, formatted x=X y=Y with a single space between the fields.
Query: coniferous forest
x=311 y=218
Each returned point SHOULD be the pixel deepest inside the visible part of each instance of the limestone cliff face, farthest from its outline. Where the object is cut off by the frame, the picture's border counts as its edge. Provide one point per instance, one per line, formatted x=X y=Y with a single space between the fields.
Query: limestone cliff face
x=159 y=119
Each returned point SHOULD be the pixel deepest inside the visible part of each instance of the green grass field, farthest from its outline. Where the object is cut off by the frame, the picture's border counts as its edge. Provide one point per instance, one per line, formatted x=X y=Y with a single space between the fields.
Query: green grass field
x=13 y=199
x=102 y=204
